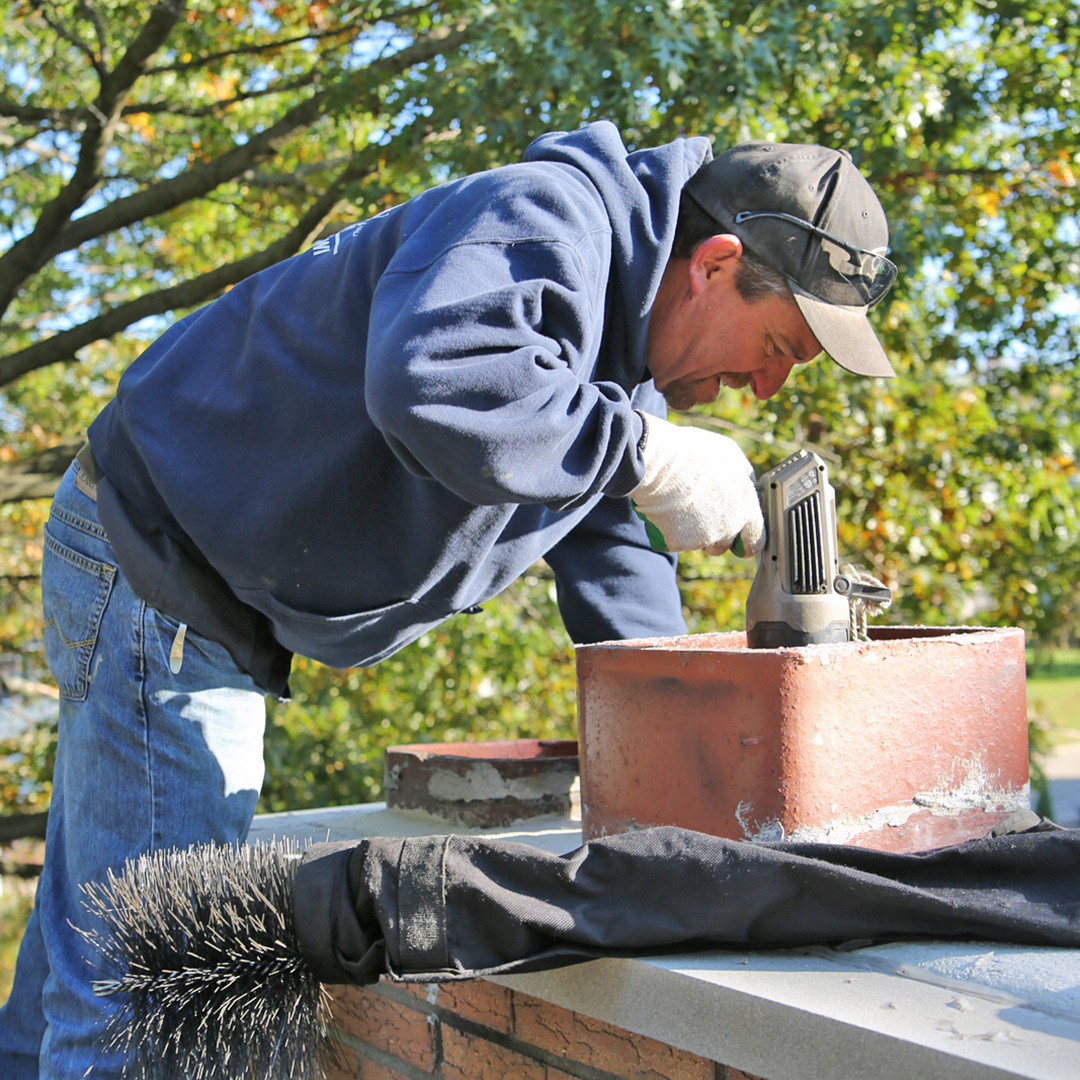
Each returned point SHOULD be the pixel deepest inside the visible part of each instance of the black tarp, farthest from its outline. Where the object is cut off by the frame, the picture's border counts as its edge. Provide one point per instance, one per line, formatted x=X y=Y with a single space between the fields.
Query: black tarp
x=451 y=907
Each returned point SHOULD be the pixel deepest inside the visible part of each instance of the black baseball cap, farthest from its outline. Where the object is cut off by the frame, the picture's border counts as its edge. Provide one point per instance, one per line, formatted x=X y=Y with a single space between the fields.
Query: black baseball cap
x=809 y=213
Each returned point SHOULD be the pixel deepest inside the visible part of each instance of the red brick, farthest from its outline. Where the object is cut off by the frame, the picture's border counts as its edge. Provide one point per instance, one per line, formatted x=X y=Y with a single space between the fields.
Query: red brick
x=592 y=1042
x=408 y=1033
x=374 y=1071
x=480 y=1001
x=467 y=1057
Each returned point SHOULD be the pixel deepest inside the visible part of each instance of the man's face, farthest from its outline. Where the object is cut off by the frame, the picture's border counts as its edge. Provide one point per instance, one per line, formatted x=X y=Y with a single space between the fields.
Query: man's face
x=703 y=335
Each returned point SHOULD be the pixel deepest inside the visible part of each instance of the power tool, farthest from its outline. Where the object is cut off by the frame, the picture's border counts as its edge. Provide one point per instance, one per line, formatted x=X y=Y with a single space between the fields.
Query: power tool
x=799 y=595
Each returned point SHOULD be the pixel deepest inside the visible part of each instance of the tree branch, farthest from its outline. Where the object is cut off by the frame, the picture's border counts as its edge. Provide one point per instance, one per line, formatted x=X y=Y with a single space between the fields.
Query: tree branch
x=16 y=826
x=66 y=119
x=64 y=346
x=253 y=50
x=23 y=259
x=931 y=175
x=96 y=22
x=26 y=256
x=36 y=476
x=156 y=108
x=73 y=39
x=200 y=179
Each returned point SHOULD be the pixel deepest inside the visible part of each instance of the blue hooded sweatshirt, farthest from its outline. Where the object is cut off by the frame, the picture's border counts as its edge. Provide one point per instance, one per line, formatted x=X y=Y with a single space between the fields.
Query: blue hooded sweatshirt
x=389 y=428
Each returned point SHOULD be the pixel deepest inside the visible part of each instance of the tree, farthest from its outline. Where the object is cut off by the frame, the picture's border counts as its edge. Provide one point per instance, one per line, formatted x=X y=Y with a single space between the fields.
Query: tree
x=156 y=153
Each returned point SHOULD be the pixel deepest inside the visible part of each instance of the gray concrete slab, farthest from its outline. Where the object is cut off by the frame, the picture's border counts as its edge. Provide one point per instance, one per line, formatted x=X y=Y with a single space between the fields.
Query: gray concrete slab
x=830 y=1016
x=554 y=833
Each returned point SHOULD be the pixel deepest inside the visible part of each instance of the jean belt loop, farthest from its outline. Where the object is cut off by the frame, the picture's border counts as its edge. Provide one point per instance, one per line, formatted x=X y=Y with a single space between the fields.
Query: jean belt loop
x=87 y=474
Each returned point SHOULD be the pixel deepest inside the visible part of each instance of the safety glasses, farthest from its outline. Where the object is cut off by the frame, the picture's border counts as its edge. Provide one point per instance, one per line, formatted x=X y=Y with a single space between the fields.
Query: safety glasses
x=870 y=274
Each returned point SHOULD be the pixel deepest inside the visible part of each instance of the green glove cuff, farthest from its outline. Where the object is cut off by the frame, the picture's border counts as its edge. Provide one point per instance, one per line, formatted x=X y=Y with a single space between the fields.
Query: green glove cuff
x=656 y=537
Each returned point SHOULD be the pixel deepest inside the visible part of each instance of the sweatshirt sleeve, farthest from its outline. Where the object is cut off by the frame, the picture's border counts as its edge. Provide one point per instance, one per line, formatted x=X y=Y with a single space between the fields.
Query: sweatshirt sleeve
x=479 y=374
x=611 y=584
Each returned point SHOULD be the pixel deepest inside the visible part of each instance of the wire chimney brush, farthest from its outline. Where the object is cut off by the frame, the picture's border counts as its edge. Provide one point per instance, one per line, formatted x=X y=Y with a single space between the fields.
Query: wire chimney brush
x=205 y=975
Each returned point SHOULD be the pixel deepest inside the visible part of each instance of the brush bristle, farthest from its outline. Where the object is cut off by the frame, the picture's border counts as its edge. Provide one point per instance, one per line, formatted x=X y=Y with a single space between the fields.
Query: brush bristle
x=204 y=969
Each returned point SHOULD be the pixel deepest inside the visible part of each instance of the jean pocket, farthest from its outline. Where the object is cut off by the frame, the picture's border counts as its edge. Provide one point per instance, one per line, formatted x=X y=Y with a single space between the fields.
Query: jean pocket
x=75 y=589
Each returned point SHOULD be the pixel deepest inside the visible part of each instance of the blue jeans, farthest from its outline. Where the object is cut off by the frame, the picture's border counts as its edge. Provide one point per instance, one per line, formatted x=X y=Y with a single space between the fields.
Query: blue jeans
x=147 y=759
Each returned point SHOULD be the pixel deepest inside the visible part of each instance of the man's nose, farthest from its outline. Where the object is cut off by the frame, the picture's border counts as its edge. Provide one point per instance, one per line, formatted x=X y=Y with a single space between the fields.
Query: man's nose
x=772 y=376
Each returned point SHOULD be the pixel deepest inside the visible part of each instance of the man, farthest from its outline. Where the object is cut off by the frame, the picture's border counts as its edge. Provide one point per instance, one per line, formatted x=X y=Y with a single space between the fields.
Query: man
x=385 y=431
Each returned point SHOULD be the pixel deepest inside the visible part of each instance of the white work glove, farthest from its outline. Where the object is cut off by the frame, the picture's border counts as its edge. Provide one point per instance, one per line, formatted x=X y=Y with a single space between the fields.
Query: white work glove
x=698 y=490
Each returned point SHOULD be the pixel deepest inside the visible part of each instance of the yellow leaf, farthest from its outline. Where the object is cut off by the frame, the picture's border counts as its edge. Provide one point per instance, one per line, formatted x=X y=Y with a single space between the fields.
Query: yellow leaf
x=140 y=124
x=1062 y=172
x=218 y=87
x=989 y=201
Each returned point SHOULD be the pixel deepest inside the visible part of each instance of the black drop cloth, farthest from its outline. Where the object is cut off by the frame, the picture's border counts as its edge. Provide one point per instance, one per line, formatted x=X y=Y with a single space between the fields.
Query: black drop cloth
x=452 y=907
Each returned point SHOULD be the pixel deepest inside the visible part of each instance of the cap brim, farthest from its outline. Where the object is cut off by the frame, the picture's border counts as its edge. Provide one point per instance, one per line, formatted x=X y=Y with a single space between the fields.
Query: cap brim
x=845 y=334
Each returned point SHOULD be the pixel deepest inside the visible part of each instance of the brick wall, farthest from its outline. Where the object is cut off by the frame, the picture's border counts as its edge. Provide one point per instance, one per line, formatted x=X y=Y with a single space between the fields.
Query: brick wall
x=479 y=1031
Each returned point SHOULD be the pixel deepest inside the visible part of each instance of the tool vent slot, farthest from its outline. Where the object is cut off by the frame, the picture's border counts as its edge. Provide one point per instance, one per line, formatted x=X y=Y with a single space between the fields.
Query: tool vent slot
x=805 y=548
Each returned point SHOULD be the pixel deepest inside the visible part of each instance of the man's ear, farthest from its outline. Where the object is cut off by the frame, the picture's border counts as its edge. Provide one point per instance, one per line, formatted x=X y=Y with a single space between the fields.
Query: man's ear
x=717 y=254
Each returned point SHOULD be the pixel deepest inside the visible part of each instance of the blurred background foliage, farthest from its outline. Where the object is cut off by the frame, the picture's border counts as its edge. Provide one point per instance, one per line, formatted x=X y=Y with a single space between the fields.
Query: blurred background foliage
x=155 y=154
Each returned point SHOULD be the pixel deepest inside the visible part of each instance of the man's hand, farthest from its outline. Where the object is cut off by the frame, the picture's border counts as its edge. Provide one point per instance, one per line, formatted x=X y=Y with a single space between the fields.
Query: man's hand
x=698 y=490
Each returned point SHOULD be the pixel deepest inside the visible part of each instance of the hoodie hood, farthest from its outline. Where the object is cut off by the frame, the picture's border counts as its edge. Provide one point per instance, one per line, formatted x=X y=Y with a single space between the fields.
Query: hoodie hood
x=640 y=191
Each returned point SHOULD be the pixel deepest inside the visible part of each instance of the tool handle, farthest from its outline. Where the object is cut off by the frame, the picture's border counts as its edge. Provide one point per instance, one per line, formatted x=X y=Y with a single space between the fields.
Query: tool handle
x=859 y=590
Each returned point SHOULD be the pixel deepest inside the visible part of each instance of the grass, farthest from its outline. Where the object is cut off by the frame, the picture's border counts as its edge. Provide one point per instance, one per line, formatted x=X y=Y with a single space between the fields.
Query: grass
x=1053 y=693
x=1053 y=690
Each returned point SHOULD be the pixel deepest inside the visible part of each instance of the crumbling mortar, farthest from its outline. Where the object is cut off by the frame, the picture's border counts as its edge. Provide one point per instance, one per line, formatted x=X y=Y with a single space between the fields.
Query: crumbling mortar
x=437 y=1051
x=975 y=790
